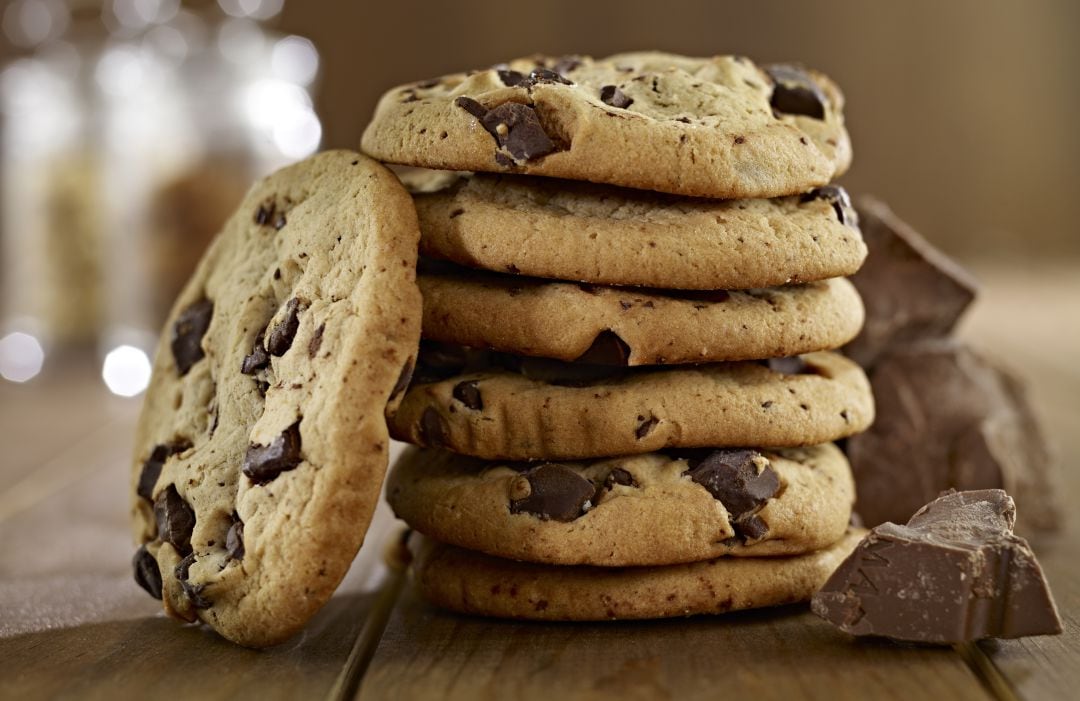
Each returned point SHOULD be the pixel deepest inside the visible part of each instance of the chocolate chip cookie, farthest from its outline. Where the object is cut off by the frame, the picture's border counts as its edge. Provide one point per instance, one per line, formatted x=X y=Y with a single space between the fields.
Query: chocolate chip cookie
x=262 y=444
x=616 y=236
x=566 y=320
x=554 y=411
x=473 y=583
x=713 y=127
x=651 y=509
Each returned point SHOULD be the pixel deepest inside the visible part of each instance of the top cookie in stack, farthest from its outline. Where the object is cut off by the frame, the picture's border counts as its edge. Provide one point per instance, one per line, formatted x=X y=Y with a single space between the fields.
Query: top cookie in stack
x=575 y=321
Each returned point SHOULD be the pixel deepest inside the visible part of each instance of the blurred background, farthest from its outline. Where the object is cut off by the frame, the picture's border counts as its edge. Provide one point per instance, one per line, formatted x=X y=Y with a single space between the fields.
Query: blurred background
x=129 y=128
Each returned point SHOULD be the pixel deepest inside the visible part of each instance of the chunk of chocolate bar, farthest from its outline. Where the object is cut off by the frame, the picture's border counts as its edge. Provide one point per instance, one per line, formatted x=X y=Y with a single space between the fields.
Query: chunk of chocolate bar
x=955 y=573
x=911 y=290
x=948 y=418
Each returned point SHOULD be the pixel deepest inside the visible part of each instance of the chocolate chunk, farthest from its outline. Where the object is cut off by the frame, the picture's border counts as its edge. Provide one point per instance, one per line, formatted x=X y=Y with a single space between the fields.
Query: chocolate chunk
x=264 y=213
x=911 y=290
x=151 y=469
x=795 y=92
x=565 y=64
x=279 y=221
x=147 y=572
x=543 y=75
x=619 y=476
x=234 y=539
x=404 y=377
x=438 y=361
x=469 y=394
x=711 y=296
x=953 y=420
x=471 y=106
x=188 y=331
x=262 y=463
x=751 y=527
x=645 y=426
x=954 y=574
x=433 y=431
x=611 y=95
x=175 y=519
x=517 y=129
x=257 y=359
x=282 y=335
x=742 y=480
x=192 y=591
x=511 y=78
x=316 y=340
x=839 y=199
x=792 y=365
x=606 y=349
x=563 y=374
x=554 y=492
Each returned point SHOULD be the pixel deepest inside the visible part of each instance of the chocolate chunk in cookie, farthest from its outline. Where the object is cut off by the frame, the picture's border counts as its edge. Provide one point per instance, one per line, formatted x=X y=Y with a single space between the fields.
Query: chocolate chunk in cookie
x=147 y=572
x=741 y=480
x=188 y=331
x=611 y=95
x=175 y=519
x=192 y=591
x=551 y=491
x=262 y=463
x=151 y=469
x=433 y=430
x=281 y=336
x=839 y=199
x=795 y=92
x=517 y=129
x=469 y=394
x=257 y=359
x=606 y=349
x=234 y=539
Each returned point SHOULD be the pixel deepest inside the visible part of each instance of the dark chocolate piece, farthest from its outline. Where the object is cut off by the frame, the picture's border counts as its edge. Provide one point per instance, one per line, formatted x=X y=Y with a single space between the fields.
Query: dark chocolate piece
x=795 y=92
x=469 y=394
x=262 y=463
x=147 y=572
x=552 y=491
x=281 y=336
x=563 y=374
x=151 y=469
x=742 y=480
x=175 y=519
x=951 y=419
x=257 y=359
x=954 y=574
x=188 y=331
x=619 y=476
x=840 y=201
x=403 y=379
x=434 y=432
x=606 y=349
x=792 y=365
x=234 y=539
x=910 y=289
x=565 y=64
x=517 y=129
x=471 y=106
x=192 y=591
x=611 y=95
x=316 y=340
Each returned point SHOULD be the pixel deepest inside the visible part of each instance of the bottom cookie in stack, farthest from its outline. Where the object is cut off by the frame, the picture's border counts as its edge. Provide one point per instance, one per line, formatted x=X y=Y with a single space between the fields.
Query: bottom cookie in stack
x=672 y=533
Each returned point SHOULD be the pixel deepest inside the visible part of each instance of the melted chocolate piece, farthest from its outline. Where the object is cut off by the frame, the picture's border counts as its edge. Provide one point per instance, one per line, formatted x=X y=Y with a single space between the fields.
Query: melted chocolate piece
x=840 y=201
x=188 y=331
x=262 y=463
x=147 y=572
x=192 y=591
x=282 y=335
x=433 y=432
x=563 y=374
x=645 y=426
x=469 y=394
x=741 y=480
x=954 y=574
x=234 y=539
x=910 y=289
x=151 y=469
x=606 y=349
x=611 y=95
x=794 y=92
x=175 y=519
x=555 y=492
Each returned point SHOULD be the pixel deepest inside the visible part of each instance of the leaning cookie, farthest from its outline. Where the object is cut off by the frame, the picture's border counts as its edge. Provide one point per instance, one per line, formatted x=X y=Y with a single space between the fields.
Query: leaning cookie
x=652 y=509
x=473 y=583
x=616 y=236
x=567 y=321
x=712 y=127
x=572 y=411
x=262 y=444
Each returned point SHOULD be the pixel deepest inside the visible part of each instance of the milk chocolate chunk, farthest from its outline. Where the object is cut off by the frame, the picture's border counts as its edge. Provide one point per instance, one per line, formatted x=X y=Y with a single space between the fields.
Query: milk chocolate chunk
x=742 y=480
x=910 y=289
x=517 y=129
x=794 y=92
x=554 y=492
x=949 y=418
x=955 y=573
x=175 y=519
x=147 y=572
x=262 y=463
x=188 y=331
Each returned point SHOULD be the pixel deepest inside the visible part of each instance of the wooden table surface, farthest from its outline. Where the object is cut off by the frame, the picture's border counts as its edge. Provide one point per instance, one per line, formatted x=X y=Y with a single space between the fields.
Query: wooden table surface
x=73 y=624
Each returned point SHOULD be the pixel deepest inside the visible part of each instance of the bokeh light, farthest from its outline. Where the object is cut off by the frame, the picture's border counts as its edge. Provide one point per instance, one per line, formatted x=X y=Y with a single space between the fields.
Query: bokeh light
x=295 y=59
x=126 y=371
x=21 y=357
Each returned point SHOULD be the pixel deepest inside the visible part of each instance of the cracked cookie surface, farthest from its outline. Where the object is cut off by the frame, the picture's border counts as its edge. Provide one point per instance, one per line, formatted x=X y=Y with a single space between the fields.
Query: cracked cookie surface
x=553 y=319
x=713 y=127
x=262 y=444
x=652 y=509
x=473 y=583
x=568 y=230
x=507 y=408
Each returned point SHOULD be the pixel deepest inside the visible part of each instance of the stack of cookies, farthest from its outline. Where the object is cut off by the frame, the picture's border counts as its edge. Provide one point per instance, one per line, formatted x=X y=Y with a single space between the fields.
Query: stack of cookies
x=626 y=396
